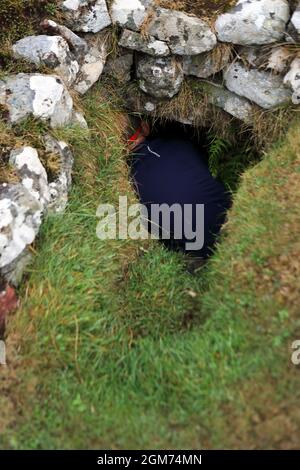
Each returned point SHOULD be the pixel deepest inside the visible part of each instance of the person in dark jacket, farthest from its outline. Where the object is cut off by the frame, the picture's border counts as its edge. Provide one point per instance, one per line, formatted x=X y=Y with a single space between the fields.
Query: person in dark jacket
x=171 y=170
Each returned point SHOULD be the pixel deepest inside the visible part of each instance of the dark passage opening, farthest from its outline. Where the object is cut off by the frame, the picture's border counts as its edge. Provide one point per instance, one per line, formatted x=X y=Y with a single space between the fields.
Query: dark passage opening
x=227 y=157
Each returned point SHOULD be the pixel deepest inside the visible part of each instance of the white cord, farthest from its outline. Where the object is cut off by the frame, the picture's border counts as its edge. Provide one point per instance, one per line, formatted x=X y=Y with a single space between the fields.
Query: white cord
x=154 y=153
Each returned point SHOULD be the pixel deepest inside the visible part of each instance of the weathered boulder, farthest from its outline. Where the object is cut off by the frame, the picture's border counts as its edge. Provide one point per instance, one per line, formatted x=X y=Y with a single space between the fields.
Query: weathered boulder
x=42 y=96
x=205 y=65
x=159 y=77
x=52 y=51
x=20 y=220
x=130 y=14
x=185 y=34
x=233 y=104
x=89 y=16
x=60 y=187
x=148 y=45
x=292 y=79
x=91 y=68
x=31 y=172
x=253 y=22
x=263 y=88
x=120 y=67
x=78 y=45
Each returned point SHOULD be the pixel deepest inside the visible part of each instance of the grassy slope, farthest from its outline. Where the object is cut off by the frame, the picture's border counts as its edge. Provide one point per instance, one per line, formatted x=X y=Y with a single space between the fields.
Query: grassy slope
x=111 y=350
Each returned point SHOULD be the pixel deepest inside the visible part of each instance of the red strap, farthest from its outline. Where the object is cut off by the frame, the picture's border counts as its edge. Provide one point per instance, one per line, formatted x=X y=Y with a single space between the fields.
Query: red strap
x=136 y=135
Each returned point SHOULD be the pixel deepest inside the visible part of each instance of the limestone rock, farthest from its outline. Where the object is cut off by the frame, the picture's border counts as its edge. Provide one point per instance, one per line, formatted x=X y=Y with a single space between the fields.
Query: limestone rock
x=150 y=45
x=292 y=79
x=205 y=65
x=32 y=173
x=233 y=104
x=263 y=88
x=20 y=220
x=90 y=72
x=159 y=77
x=42 y=96
x=185 y=34
x=130 y=14
x=78 y=45
x=295 y=20
x=120 y=68
x=59 y=189
x=89 y=16
x=253 y=22
x=52 y=51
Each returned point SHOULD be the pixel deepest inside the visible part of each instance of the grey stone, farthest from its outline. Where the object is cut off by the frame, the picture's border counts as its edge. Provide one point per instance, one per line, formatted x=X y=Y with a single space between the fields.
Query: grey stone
x=292 y=79
x=295 y=20
x=31 y=172
x=59 y=189
x=263 y=88
x=20 y=220
x=120 y=68
x=205 y=65
x=159 y=77
x=233 y=104
x=185 y=34
x=253 y=22
x=42 y=96
x=89 y=16
x=52 y=51
x=13 y=272
x=130 y=14
x=148 y=45
x=91 y=68
x=78 y=45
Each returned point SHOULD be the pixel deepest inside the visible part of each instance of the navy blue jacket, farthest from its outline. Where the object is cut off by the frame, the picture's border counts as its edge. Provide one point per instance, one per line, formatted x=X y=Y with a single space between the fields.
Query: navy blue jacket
x=172 y=170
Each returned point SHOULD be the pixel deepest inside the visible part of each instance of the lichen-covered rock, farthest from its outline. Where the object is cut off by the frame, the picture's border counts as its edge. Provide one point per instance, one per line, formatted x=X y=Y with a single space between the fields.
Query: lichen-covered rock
x=31 y=172
x=292 y=79
x=233 y=104
x=91 y=69
x=20 y=220
x=130 y=14
x=185 y=34
x=295 y=20
x=59 y=189
x=160 y=77
x=263 y=88
x=253 y=22
x=78 y=45
x=52 y=51
x=42 y=96
x=205 y=65
x=89 y=16
x=120 y=68
x=148 y=45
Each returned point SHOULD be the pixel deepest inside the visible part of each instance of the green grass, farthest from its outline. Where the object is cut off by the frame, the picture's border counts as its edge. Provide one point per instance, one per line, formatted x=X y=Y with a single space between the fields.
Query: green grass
x=116 y=345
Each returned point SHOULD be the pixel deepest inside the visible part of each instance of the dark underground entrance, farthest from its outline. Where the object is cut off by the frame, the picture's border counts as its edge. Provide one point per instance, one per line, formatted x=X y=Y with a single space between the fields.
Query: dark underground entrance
x=182 y=165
